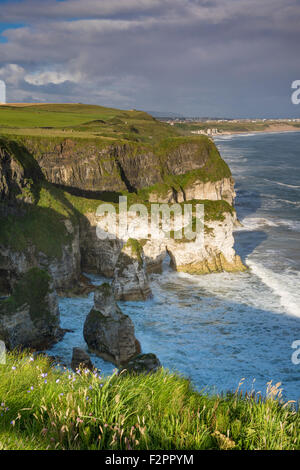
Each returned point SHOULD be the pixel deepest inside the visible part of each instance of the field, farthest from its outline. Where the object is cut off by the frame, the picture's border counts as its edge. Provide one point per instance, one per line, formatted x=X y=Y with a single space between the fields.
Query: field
x=43 y=407
x=77 y=120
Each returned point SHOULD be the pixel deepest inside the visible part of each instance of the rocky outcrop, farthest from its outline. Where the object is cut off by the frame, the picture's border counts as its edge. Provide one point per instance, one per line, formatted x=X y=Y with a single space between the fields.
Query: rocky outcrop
x=143 y=364
x=97 y=166
x=30 y=318
x=108 y=332
x=16 y=180
x=64 y=269
x=81 y=360
x=198 y=190
x=216 y=254
x=130 y=276
x=98 y=256
x=93 y=166
x=27 y=230
x=212 y=190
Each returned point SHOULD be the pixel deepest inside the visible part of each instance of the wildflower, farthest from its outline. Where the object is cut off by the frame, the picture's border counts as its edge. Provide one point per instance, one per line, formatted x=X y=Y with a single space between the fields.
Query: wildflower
x=13 y=368
x=57 y=381
x=44 y=375
x=45 y=381
x=31 y=359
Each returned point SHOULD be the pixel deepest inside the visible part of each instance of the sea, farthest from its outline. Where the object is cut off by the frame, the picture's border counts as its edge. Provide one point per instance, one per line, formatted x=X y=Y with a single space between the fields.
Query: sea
x=228 y=331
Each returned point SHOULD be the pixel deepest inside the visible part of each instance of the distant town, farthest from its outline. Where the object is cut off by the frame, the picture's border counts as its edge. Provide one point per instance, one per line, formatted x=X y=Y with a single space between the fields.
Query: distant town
x=215 y=126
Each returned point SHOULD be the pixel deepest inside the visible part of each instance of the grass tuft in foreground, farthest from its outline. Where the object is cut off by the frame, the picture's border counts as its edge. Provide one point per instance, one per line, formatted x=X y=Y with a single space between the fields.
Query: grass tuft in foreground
x=42 y=407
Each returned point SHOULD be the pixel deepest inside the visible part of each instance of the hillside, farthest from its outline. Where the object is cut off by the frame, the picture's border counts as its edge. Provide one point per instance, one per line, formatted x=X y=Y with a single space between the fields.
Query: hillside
x=47 y=408
x=78 y=120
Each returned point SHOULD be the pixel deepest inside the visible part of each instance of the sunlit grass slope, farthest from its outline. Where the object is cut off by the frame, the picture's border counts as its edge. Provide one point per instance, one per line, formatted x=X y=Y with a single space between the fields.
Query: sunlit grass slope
x=42 y=407
x=82 y=120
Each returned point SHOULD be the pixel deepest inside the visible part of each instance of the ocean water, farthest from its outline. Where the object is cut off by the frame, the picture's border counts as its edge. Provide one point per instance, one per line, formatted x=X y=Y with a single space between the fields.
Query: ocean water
x=220 y=328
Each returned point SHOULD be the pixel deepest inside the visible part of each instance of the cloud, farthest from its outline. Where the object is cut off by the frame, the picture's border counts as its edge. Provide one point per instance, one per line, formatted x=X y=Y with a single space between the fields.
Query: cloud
x=191 y=56
x=46 y=77
x=12 y=74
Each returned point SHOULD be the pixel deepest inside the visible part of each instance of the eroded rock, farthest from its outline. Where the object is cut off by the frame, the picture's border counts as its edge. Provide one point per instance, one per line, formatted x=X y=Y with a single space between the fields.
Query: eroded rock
x=81 y=359
x=107 y=331
x=143 y=364
x=130 y=275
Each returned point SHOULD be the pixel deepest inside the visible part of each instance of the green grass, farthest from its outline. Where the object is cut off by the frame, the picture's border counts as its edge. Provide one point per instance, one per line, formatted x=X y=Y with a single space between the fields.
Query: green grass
x=86 y=121
x=159 y=411
x=39 y=225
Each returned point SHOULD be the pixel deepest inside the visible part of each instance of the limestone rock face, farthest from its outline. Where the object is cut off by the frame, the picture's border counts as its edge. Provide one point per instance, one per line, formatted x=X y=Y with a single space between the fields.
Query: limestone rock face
x=215 y=255
x=80 y=358
x=214 y=191
x=198 y=190
x=30 y=317
x=130 y=277
x=143 y=364
x=107 y=331
x=154 y=253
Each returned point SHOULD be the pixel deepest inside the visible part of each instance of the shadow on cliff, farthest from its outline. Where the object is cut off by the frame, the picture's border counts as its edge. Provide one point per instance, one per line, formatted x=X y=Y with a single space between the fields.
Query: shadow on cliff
x=106 y=196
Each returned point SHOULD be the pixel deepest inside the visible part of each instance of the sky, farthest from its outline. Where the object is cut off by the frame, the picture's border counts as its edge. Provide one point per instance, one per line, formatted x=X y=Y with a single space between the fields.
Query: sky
x=223 y=58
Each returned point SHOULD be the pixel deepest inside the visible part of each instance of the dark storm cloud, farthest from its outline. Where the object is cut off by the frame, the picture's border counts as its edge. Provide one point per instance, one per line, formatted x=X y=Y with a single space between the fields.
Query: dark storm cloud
x=226 y=57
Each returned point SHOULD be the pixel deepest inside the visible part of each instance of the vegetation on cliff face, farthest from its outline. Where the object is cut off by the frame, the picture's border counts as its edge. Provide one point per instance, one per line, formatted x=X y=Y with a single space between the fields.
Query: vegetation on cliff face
x=32 y=290
x=43 y=407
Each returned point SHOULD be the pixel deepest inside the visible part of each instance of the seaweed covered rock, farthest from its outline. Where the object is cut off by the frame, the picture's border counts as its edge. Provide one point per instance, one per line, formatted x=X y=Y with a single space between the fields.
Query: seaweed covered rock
x=130 y=276
x=107 y=331
x=30 y=318
x=143 y=364
x=80 y=358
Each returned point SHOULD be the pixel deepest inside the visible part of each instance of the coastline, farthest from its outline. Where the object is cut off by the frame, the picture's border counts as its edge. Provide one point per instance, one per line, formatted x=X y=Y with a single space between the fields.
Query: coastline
x=271 y=130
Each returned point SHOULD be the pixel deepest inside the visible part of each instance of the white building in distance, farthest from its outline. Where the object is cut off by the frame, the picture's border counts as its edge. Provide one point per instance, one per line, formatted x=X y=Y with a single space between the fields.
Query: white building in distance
x=2 y=92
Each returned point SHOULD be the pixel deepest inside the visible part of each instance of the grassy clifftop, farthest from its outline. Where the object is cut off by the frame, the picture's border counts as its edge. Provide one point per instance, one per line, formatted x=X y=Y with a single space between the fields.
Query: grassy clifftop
x=47 y=408
x=78 y=120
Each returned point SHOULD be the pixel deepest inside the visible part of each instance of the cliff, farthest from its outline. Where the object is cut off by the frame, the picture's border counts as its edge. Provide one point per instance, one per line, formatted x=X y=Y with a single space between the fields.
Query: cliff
x=30 y=316
x=175 y=168
x=51 y=186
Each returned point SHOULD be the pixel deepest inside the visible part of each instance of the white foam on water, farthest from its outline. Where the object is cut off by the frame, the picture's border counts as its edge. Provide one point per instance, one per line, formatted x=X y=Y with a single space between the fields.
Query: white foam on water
x=240 y=288
x=291 y=224
x=253 y=223
x=287 y=201
x=286 y=286
x=232 y=136
x=292 y=186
